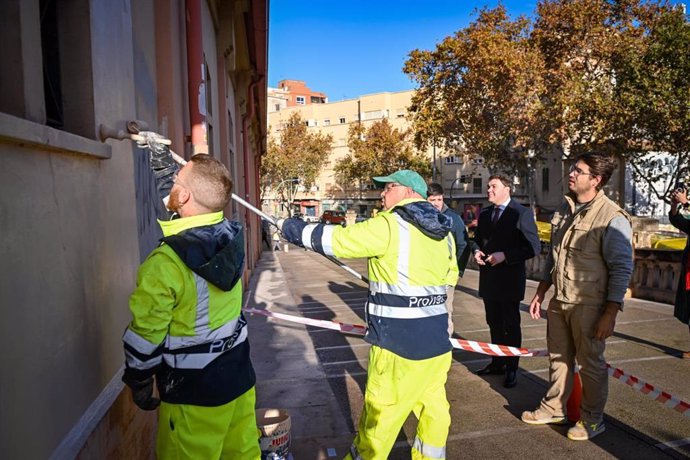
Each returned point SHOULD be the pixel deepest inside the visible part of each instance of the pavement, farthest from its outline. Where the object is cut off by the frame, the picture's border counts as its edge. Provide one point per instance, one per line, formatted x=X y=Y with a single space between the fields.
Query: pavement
x=319 y=375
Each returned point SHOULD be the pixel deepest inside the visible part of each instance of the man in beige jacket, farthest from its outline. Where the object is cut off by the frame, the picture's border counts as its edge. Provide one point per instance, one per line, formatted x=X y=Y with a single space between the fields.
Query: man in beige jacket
x=590 y=266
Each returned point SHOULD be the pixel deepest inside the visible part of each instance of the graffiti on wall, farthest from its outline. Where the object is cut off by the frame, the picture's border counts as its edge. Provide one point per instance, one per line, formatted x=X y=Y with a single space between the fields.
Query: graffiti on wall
x=147 y=200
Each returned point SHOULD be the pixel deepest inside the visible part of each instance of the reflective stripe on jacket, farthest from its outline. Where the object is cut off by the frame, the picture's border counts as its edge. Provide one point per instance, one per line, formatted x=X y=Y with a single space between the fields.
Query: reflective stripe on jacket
x=408 y=273
x=186 y=329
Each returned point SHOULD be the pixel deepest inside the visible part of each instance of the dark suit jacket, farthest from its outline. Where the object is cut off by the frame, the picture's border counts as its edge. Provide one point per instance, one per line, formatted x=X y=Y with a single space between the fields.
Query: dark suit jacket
x=682 y=306
x=462 y=248
x=515 y=234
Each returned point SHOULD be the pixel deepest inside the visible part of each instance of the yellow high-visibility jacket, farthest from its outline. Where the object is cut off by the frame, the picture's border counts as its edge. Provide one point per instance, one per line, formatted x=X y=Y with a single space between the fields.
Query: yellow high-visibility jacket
x=187 y=327
x=411 y=261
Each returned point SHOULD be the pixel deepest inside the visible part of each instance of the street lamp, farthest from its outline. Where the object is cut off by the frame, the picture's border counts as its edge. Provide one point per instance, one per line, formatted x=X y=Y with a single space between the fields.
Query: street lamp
x=433 y=167
x=450 y=193
x=530 y=179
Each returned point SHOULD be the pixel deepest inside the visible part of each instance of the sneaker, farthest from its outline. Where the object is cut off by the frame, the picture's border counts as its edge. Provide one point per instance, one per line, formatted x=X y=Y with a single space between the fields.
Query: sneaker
x=539 y=417
x=582 y=431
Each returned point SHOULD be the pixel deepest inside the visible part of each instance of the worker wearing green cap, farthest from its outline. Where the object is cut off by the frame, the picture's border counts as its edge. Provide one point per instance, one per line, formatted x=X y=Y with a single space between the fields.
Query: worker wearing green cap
x=411 y=260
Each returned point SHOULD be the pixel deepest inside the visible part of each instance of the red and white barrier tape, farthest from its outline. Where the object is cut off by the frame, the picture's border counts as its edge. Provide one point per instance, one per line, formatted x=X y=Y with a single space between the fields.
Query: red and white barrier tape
x=495 y=350
x=666 y=399
x=333 y=325
x=492 y=349
x=468 y=345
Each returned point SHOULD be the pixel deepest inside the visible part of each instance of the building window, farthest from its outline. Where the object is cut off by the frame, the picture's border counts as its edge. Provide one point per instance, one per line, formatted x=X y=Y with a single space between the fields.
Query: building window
x=231 y=130
x=545 y=179
x=400 y=113
x=207 y=89
x=327 y=122
x=312 y=122
x=209 y=138
x=342 y=120
x=52 y=80
x=300 y=100
x=277 y=107
x=452 y=160
x=373 y=114
x=477 y=185
x=54 y=84
x=58 y=53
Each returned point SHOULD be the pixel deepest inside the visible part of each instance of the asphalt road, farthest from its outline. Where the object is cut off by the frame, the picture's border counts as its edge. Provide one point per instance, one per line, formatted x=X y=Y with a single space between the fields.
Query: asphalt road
x=318 y=375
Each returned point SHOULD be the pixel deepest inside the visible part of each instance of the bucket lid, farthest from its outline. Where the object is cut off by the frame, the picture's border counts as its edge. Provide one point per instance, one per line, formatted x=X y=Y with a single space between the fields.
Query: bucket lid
x=273 y=421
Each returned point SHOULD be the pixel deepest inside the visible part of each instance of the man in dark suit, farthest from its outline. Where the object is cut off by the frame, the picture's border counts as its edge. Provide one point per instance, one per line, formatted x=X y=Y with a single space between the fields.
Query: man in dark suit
x=505 y=238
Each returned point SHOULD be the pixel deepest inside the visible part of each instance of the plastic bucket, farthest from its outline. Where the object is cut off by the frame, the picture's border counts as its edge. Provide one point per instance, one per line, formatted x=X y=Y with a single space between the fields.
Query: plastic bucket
x=274 y=425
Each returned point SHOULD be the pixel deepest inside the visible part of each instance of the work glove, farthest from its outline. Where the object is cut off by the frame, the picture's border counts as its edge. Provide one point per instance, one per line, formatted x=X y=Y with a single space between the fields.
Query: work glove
x=162 y=161
x=291 y=229
x=142 y=391
x=149 y=139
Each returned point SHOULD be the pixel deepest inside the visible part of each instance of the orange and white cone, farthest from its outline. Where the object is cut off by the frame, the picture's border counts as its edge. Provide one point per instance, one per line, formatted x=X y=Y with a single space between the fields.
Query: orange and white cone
x=573 y=405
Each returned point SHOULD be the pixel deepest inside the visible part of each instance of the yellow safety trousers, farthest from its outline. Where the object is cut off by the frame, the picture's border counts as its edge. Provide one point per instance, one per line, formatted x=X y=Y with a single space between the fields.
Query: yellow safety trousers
x=395 y=387
x=205 y=433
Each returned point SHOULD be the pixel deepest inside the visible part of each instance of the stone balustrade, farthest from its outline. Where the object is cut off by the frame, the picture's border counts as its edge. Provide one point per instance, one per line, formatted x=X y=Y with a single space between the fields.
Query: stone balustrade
x=655 y=276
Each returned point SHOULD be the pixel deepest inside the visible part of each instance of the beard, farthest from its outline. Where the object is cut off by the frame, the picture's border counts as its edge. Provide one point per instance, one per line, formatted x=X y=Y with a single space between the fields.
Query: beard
x=174 y=204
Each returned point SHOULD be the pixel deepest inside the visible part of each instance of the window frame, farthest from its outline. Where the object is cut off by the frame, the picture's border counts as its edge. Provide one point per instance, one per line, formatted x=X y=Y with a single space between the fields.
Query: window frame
x=24 y=117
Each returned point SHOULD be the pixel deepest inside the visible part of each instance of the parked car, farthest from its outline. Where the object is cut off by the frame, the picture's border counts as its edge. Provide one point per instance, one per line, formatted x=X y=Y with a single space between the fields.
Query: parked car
x=360 y=218
x=333 y=217
x=310 y=219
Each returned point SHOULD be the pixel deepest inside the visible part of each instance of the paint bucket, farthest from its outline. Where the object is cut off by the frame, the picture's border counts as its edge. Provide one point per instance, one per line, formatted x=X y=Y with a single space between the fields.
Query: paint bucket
x=274 y=425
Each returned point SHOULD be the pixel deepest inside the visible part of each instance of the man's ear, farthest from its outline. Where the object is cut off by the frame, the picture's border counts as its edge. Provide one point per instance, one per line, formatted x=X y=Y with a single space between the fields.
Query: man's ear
x=184 y=196
x=598 y=179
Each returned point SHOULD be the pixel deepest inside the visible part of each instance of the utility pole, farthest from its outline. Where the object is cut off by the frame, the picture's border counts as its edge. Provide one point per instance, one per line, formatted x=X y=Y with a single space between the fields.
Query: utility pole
x=433 y=166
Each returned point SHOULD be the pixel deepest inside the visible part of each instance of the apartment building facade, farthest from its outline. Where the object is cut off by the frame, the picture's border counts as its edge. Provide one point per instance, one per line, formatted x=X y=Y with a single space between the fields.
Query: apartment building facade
x=293 y=93
x=462 y=174
x=76 y=211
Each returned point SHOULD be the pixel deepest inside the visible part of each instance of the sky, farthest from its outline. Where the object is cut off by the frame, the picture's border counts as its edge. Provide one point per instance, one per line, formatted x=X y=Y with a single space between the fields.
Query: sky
x=350 y=48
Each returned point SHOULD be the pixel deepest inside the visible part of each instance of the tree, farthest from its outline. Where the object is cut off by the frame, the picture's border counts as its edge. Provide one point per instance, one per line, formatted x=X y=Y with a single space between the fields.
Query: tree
x=653 y=87
x=577 y=40
x=296 y=156
x=584 y=75
x=480 y=90
x=378 y=151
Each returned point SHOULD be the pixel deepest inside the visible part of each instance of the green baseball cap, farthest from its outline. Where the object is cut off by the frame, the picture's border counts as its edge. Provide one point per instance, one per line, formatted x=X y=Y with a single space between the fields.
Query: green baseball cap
x=404 y=177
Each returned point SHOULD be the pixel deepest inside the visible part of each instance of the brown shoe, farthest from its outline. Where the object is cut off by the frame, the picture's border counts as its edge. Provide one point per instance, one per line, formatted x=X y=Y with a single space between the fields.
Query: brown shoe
x=685 y=355
x=540 y=417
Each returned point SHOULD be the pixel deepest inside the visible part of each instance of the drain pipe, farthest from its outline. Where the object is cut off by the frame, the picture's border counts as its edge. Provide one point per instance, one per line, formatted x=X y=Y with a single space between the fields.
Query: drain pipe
x=246 y=121
x=195 y=76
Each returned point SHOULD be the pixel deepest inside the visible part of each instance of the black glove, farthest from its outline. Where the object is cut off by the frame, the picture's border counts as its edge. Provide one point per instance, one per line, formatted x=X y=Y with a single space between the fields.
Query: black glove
x=162 y=161
x=142 y=392
x=291 y=230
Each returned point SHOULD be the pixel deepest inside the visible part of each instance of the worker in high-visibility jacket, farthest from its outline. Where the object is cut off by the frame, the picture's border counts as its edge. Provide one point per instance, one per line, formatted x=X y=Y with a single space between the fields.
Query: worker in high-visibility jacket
x=187 y=329
x=411 y=263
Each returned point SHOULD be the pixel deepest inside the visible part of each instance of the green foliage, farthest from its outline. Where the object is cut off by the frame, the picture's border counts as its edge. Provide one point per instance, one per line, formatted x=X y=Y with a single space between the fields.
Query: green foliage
x=584 y=75
x=479 y=89
x=653 y=76
x=295 y=154
x=378 y=150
